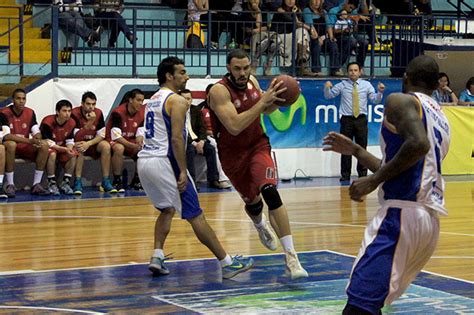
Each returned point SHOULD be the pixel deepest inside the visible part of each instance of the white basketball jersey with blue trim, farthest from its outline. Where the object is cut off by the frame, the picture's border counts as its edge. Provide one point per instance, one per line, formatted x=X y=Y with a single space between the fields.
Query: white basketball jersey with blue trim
x=157 y=126
x=422 y=183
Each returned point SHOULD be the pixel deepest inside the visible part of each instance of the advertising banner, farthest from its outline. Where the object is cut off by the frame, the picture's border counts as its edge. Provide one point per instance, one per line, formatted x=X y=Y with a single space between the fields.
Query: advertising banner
x=306 y=122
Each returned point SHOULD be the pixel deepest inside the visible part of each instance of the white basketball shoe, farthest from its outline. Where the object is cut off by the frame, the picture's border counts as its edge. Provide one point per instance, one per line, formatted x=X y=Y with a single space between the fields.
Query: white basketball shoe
x=293 y=267
x=266 y=235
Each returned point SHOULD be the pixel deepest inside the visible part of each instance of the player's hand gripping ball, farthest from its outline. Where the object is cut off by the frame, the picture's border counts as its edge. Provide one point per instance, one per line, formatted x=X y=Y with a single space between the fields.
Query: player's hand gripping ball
x=292 y=92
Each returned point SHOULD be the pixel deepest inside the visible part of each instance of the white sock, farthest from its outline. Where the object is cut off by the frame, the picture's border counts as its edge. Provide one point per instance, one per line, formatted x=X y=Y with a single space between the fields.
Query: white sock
x=38 y=176
x=287 y=243
x=9 y=177
x=1 y=179
x=262 y=223
x=158 y=252
x=226 y=261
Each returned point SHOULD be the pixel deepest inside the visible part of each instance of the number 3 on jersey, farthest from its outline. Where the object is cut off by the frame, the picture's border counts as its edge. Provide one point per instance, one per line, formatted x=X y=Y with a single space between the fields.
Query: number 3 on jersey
x=149 y=125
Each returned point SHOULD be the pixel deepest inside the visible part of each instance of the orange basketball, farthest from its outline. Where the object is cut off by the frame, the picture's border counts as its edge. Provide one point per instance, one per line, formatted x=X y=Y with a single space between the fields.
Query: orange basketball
x=292 y=90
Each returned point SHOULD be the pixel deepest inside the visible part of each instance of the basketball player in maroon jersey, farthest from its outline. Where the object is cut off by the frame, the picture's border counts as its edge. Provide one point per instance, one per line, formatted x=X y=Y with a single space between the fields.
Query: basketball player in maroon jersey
x=18 y=143
x=58 y=129
x=125 y=133
x=236 y=103
x=90 y=141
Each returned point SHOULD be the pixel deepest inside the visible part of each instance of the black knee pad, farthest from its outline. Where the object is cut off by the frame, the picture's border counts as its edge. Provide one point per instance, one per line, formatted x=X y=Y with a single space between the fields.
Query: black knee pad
x=271 y=196
x=255 y=209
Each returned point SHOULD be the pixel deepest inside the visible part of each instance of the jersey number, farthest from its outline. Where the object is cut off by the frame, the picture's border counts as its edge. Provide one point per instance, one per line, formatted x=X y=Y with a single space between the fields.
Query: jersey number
x=438 y=140
x=149 y=125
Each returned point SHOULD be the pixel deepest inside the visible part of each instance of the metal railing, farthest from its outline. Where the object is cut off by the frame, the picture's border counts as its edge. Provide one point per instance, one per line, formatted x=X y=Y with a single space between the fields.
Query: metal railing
x=389 y=38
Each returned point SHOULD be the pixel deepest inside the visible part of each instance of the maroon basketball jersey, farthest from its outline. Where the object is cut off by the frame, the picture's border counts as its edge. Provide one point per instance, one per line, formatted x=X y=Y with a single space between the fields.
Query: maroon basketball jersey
x=20 y=125
x=253 y=135
x=56 y=132
x=128 y=124
x=87 y=134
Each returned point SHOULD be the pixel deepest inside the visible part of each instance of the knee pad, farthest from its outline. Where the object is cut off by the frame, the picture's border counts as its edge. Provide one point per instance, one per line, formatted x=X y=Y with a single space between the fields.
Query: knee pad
x=271 y=196
x=255 y=209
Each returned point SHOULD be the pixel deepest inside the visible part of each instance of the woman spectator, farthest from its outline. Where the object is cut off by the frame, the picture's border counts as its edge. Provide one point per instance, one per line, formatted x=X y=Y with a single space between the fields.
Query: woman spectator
x=315 y=17
x=282 y=24
x=466 y=98
x=444 y=95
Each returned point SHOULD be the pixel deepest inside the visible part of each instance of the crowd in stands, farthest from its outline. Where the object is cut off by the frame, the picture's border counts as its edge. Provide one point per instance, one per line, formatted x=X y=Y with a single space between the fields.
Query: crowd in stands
x=338 y=28
x=72 y=133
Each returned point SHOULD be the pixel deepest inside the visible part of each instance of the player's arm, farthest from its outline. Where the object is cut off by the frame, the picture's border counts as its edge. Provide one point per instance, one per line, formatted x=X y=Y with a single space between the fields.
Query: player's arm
x=234 y=122
x=47 y=134
x=177 y=107
x=403 y=112
x=116 y=132
x=100 y=134
x=4 y=128
x=270 y=109
x=339 y=143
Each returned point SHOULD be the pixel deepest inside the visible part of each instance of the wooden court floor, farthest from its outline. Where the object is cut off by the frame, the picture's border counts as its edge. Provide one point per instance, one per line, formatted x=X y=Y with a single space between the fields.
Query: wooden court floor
x=100 y=232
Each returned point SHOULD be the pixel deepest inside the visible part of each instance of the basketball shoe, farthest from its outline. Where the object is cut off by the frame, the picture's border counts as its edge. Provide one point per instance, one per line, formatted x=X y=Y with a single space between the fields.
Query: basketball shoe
x=266 y=235
x=157 y=266
x=293 y=267
x=239 y=264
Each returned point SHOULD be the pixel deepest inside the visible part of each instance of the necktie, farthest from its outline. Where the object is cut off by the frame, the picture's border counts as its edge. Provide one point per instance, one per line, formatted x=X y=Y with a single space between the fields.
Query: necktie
x=355 y=101
x=190 y=128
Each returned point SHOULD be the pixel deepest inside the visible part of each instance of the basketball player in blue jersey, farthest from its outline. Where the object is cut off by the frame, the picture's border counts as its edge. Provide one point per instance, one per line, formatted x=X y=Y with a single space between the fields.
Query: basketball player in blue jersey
x=163 y=174
x=402 y=236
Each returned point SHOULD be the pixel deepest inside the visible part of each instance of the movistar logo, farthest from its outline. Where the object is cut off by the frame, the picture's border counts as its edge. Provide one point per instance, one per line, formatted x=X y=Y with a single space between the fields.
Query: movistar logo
x=282 y=120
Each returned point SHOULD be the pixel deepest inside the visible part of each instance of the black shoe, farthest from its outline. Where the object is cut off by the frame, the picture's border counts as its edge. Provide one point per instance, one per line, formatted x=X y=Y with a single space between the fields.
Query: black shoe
x=344 y=179
x=136 y=185
x=118 y=186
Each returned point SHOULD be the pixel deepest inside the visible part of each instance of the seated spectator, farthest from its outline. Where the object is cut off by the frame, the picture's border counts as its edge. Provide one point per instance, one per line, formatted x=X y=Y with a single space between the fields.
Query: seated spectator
x=21 y=122
x=198 y=144
x=71 y=21
x=282 y=23
x=339 y=54
x=316 y=17
x=466 y=98
x=220 y=17
x=58 y=130
x=109 y=13
x=196 y=8
x=90 y=140
x=262 y=41
x=125 y=132
x=206 y=118
x=3 y=131
x=443 y=94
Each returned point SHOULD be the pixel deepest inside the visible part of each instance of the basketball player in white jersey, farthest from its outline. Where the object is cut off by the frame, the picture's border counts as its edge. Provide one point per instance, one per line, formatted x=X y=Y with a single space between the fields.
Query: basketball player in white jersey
x=163 y=174
x=402 y=236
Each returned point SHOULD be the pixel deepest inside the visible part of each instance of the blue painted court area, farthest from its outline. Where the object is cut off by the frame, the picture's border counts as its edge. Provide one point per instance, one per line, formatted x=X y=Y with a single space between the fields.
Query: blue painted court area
x=195 y=286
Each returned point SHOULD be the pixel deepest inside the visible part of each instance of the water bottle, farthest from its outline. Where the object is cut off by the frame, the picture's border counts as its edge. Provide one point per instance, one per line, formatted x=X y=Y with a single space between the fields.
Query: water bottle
x=233 y=44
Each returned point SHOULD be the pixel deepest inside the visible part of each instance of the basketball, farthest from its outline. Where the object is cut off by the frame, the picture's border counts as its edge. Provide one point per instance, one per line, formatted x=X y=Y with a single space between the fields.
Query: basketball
x=292 y=90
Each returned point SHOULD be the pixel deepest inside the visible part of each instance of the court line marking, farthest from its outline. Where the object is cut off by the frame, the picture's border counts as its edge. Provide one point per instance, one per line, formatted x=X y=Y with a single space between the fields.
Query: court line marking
x=429 y=272
x=208 y=219
x=157 y=297
x=49 y=309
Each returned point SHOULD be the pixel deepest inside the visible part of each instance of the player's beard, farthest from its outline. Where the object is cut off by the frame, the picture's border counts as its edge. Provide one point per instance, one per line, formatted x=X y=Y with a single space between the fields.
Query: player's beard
x=238 y=84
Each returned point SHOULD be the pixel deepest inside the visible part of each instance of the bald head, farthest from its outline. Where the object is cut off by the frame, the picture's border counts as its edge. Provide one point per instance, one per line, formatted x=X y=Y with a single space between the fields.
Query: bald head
x=423 y=72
